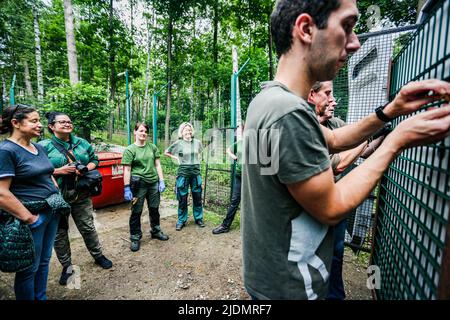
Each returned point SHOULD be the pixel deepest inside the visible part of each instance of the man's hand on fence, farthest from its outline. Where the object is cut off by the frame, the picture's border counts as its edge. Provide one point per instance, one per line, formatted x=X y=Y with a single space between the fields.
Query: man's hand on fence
x=422 y=129
x=416 y=94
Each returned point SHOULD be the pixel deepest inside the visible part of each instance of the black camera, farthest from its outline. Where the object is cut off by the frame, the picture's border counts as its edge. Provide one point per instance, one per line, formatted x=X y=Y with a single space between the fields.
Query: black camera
x=80 y=167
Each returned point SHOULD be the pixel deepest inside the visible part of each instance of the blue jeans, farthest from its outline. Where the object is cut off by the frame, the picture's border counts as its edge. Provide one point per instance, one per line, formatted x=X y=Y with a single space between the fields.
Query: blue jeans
x=336 y=290
x=31 y=284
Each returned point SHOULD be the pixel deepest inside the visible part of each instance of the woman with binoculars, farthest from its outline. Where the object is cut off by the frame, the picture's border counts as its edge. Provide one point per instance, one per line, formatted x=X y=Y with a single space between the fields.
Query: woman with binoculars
x=62 y=149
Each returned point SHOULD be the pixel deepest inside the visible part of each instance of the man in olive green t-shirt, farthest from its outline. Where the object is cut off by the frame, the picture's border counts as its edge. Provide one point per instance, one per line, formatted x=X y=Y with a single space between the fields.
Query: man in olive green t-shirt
x=289 y=197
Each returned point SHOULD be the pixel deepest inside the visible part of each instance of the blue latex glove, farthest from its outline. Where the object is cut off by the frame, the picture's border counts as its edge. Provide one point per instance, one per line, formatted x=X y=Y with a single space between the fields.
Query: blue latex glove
x=128 y=195
x=161 y=186
x=38 y=222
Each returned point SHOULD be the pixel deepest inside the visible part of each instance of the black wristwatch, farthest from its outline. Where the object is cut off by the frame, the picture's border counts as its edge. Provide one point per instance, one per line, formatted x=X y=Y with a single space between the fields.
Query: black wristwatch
x=380 y=114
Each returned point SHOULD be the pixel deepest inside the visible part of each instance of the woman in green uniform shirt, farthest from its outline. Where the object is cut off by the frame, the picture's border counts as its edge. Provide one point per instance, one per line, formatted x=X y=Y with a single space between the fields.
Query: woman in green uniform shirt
x=143 y=179
x=186 y=151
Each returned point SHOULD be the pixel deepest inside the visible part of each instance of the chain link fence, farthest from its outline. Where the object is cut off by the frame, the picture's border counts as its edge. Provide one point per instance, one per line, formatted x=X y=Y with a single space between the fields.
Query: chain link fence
x=217 y=170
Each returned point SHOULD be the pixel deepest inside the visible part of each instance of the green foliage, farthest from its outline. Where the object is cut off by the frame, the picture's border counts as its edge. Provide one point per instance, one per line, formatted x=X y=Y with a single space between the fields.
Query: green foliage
x=201 y=62
x=85 y=104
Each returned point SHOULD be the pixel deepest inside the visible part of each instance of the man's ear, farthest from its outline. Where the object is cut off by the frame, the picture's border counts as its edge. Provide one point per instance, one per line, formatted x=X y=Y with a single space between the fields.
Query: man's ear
x=303 y=28
x=311 y=96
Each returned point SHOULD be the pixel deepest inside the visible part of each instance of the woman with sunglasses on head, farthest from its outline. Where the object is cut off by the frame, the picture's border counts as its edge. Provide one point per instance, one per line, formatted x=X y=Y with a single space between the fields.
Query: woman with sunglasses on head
x=66 y=171
x=143 y=179
x=25 y=178
x=186 y=152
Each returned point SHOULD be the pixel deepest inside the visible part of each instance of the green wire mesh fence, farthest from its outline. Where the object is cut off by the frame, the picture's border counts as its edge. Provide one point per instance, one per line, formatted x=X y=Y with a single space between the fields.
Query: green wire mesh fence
x=359 y=88
x=411 y=245
x=216 y=169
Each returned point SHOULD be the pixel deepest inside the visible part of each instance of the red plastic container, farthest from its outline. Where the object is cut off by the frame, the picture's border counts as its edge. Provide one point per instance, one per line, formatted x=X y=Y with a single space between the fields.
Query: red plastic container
x=112 y=173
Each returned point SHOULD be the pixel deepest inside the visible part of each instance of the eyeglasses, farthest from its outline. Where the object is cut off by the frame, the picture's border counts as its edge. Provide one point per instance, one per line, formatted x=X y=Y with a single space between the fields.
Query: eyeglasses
x=63 y=122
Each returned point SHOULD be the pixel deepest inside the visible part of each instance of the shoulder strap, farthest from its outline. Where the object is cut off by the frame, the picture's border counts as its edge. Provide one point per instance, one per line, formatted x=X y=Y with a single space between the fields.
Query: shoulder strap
x=63 y=150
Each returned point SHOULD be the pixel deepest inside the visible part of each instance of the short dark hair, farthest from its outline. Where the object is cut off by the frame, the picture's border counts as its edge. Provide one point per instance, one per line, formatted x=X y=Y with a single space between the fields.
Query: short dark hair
x=51 y=117
x=317 y=86
x=286 y=12
x=18 y=112
x=138 y=124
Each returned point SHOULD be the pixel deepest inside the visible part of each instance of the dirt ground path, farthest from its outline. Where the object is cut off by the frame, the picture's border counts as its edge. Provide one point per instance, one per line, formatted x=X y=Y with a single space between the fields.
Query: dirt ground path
x=194 y=264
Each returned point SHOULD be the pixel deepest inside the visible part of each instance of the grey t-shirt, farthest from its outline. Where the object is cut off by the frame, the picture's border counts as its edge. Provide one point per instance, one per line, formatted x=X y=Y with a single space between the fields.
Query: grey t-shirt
x=335 y=123
x=189 y=155
x=31 y=174
x=286 y=252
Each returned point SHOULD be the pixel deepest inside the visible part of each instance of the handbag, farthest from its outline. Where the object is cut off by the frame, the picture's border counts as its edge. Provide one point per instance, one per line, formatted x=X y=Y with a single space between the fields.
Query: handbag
x=90 y=183
x=17 y=251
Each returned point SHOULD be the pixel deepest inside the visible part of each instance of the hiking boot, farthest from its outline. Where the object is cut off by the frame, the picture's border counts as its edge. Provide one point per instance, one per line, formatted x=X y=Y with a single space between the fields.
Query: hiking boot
x=135 y=245
x=180 y=225
x=66 y=273
x=220 y=229
x=200 y=223
x=160 y=236
x=104 y=262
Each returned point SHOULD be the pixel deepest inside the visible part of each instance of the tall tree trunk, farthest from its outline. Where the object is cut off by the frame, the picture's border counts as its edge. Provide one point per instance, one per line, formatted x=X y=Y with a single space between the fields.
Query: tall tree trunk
x=269 y=43
x=86 y=133
x=37 y=40
x=169 y=84
x=2 y=92
x=112 y=75
x=215 y=53
x=132 y=30
x=147 y=69
x=130 y=84
x=27 y=79
x=191 y=111
x=70 y=38
x=90 y=73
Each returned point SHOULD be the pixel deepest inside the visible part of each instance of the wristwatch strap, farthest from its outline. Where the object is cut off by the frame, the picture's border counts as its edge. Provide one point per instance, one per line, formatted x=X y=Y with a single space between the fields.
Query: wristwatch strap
x=380 y=114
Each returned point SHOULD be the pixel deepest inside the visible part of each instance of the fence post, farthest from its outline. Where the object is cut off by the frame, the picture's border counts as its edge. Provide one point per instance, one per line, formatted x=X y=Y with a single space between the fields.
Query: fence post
x=12 y=100
x=127 y=97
